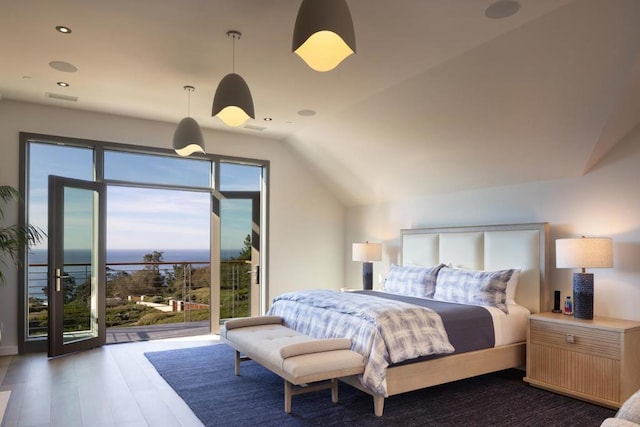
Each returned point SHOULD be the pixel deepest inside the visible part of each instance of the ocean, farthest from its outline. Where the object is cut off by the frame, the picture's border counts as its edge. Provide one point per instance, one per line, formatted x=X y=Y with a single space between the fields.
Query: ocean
x=38 y=272
x=114 y=256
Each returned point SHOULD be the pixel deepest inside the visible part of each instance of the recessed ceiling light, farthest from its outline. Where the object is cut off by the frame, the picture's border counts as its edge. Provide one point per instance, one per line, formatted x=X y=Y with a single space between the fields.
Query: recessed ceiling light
x=63 y=66
x=267 y=119
x=62 y=29
x=502 y=9
x=63 y=84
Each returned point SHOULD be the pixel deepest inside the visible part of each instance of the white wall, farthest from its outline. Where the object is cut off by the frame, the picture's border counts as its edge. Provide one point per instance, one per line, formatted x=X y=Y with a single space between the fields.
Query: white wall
x=604 y=202
x=306 y=223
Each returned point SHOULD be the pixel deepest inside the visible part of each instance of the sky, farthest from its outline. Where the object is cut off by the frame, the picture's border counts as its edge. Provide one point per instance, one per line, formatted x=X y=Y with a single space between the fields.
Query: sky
x=146 y=218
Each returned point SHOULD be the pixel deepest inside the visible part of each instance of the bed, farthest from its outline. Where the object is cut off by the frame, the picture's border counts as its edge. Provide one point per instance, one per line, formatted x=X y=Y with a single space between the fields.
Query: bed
x=515 y=247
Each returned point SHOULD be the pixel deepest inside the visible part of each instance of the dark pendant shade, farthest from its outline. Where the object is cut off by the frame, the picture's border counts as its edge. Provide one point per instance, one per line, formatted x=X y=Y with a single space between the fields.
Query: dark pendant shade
x=232 y=102
x=188 y=139
x=323 y=35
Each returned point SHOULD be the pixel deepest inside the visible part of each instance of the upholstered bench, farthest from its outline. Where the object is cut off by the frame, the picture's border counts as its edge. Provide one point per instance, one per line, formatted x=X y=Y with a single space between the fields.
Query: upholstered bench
x=306 y=364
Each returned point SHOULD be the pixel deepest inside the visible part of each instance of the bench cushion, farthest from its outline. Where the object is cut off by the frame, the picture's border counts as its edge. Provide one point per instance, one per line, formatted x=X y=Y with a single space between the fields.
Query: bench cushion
x=265 y=341
x=315 y=346
x=308 y=368
x=243 y=322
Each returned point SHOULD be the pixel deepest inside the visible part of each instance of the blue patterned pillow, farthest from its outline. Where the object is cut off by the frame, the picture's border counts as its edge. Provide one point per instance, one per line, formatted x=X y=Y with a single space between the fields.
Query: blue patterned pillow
x=413 y=281
x=473 y=287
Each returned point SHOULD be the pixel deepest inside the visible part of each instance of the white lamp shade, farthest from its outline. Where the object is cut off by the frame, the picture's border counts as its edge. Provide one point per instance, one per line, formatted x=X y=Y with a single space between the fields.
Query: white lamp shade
x=188 y=139
x=367 y=252
x=586 y=252
x=232 y=102
x=323 y=35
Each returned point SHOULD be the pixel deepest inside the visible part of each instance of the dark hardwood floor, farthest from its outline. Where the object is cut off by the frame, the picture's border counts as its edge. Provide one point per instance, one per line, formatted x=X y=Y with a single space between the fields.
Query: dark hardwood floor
x=114 y=385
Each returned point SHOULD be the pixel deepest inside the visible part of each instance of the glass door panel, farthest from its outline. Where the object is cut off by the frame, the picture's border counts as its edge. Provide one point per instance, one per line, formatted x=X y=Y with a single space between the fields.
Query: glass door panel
x=239 y=255
x=46 y=159
x=76 y=265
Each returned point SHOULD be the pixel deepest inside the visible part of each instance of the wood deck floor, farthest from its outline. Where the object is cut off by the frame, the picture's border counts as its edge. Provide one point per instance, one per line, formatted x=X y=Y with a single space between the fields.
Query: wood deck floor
x=156 y=332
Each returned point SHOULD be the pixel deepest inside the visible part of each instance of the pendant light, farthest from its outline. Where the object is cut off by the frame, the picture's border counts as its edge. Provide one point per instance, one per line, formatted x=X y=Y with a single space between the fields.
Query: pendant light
x=232 y=102
x=323 y=35
x=188 y=139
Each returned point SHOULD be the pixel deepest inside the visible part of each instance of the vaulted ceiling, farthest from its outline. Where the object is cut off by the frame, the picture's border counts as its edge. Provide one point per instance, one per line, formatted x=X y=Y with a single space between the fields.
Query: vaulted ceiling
x=438 y=98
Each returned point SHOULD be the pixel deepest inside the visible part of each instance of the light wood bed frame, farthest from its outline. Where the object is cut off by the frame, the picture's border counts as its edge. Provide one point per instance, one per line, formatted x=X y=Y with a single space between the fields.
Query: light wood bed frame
x=492 y=247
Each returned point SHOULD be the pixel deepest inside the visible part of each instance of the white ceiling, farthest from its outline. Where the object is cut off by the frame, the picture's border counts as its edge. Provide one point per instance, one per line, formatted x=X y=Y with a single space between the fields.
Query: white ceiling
x=438 y=97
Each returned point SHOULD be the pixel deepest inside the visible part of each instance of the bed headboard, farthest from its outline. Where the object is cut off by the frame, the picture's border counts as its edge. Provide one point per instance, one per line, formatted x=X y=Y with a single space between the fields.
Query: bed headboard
x=491 y=247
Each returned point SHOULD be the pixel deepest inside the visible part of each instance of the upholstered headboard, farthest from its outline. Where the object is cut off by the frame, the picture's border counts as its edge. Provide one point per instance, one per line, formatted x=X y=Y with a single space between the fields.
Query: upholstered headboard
x=492 y=247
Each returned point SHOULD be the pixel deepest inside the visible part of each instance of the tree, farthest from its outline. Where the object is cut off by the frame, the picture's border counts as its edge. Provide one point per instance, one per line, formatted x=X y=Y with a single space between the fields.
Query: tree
x=14 y=238
x=148 y=281
x=152 y=279
x=245 y=253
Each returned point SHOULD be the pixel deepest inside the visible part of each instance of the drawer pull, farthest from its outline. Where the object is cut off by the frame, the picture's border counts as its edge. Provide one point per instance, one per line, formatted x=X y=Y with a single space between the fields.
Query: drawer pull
x=571 y=339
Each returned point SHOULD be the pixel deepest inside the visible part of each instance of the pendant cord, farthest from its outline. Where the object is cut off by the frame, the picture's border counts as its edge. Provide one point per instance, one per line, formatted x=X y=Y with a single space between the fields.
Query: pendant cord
x=234 y=35
x=189 y=89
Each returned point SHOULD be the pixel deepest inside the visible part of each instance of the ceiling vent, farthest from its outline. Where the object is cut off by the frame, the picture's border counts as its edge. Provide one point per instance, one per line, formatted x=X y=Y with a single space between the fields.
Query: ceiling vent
x=253 y=127
x=61 y=97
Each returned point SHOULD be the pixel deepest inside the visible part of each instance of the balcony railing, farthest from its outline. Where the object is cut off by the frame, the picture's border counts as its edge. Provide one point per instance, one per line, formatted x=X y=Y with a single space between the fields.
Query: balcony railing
x=142 y=293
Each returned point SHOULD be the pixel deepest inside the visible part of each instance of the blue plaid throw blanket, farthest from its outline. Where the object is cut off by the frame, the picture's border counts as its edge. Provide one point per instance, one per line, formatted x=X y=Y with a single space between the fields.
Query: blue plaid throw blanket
x=383 y=331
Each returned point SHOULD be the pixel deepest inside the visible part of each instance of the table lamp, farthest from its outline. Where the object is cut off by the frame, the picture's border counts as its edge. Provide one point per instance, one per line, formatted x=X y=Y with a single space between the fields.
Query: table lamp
x=585 y=252
x=367 y=253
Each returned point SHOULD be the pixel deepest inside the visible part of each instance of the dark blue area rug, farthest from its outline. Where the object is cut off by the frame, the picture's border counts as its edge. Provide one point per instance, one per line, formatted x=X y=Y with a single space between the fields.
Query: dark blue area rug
x=204 y=378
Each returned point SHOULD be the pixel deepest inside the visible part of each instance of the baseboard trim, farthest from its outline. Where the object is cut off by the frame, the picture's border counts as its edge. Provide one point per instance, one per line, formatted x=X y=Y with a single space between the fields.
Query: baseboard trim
x=8 y=350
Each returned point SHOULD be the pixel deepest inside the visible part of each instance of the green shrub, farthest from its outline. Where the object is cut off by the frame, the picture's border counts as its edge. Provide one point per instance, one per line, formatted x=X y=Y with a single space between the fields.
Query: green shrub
x=126 y=314
x=153 y=318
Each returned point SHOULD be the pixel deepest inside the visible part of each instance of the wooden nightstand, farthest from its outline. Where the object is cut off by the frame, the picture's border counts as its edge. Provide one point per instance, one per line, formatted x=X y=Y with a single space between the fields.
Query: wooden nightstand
x=594 y=360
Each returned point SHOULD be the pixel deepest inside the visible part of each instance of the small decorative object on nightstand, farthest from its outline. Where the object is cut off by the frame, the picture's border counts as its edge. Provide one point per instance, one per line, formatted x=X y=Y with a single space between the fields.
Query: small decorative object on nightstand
x=568 y=306
x=594 y=360
x=367 y=252
x=556 y=302
x=592 y=252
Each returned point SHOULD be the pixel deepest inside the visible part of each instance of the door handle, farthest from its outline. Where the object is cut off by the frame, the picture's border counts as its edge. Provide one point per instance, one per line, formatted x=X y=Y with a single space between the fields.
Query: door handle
x=255 y=273
x=58 y=281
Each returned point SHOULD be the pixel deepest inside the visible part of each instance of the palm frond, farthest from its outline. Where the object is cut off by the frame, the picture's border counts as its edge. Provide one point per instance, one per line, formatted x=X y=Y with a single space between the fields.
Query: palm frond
x=15 y=238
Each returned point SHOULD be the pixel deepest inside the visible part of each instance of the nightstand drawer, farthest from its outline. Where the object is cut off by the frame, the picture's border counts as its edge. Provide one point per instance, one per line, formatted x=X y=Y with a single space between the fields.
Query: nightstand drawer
x=598 y=342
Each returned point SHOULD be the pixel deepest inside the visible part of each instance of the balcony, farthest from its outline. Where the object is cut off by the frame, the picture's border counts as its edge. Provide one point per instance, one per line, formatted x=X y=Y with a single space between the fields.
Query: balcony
x=145 y=300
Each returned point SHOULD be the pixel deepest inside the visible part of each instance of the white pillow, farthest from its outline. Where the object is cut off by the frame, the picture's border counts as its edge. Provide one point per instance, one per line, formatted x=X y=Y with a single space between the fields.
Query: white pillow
x=512 y=286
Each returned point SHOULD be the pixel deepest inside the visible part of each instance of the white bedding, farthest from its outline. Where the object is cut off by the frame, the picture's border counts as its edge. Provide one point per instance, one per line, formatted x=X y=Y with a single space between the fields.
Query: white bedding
x=509 y=328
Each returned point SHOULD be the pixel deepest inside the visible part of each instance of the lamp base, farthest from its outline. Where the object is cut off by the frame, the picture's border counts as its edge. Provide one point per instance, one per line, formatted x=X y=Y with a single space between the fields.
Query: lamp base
x=583 y=295
x=367 y=275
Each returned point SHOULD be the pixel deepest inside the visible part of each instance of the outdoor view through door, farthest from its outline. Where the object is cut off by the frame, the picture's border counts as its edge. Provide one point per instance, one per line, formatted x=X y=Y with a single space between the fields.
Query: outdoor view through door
x=175 y=243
